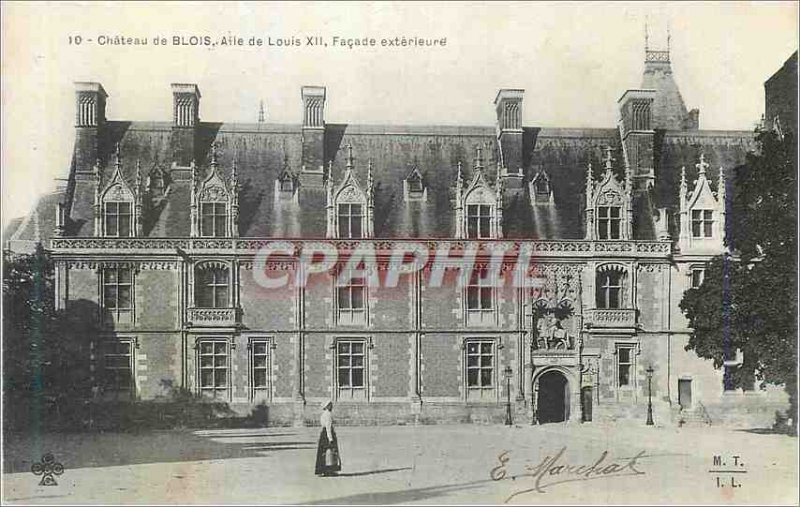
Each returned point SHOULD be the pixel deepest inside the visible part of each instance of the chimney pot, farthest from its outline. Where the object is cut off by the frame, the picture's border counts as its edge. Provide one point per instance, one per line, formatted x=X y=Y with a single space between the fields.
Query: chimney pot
x=90 y=99
x=185 y=104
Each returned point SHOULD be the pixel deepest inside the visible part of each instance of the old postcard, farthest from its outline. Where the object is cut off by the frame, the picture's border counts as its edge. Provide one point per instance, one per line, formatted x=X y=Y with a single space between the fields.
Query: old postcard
x=399 y=253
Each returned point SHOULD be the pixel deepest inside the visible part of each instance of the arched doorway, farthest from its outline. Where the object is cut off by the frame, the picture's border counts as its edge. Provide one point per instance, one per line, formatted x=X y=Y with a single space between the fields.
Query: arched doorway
x=553 y=398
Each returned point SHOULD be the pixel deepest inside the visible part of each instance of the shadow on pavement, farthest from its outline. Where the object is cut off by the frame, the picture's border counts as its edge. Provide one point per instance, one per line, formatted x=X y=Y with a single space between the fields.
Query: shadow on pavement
x=105 y=449
x=372 y=472
x=395 y=497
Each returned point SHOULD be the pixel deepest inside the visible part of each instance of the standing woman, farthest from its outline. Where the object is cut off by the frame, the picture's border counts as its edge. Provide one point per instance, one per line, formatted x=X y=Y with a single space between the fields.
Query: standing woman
x=328 y=461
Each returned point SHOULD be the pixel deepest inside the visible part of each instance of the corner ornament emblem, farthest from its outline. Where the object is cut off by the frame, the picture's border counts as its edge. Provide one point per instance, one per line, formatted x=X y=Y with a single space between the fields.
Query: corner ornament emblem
x=48 y=468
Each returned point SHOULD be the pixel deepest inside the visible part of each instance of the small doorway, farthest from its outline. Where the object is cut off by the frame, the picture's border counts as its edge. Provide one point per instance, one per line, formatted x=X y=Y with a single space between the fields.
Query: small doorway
x=685 y=393
x=553 y=400
x=586 y=403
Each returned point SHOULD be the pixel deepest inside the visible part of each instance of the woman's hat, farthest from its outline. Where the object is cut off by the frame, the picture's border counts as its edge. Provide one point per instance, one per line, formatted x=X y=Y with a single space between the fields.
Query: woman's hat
x=325 y=404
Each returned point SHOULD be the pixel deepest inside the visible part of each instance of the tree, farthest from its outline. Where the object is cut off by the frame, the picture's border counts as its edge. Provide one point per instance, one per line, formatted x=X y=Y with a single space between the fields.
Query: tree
x=45 y=351
x=748 y=300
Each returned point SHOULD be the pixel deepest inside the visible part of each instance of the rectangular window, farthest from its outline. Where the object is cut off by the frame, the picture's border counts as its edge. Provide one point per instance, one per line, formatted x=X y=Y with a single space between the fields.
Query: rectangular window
x=702 y=223
x=479 y=221
x=350 y=219
x=117 y=289
x=213 y=368
x=480 y=364
x=697 y=277
x=213 y=219
x=350 y=368
x=609 y=290
x=117 y=369
x=118 y=219
x=480 y=298
x=351 y=301
x=260 y=368
x=624 y=366
x=212 y=288
x=609 y=222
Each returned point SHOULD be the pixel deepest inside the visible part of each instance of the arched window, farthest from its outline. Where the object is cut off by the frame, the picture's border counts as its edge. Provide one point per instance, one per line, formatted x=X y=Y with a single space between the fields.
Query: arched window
x=212 y=286
x=609 y=288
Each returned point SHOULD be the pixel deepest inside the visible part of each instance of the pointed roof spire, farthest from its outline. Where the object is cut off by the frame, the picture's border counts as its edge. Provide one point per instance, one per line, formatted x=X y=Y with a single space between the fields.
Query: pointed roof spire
x=138 y=176
x=683 y=177
x=703 y=165
x=350 y=164
x=646 y=37
x=214 y=154
x=117 y=155
x=459 y=176
x=609 y=160
x=261 y=112
x=329 y=175
x=369 y=172
x=479 y=158
x=234 y=173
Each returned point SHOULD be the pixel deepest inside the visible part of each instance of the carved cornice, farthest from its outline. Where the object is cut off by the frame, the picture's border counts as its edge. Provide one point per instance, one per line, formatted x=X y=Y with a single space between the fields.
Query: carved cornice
x=233 y=246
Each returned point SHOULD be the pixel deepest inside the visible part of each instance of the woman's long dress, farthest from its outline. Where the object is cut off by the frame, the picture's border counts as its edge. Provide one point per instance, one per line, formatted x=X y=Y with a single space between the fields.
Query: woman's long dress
x=325 y=443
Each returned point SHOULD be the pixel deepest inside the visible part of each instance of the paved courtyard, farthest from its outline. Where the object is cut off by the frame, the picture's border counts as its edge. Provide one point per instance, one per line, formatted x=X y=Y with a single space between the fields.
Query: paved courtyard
x=457 y=464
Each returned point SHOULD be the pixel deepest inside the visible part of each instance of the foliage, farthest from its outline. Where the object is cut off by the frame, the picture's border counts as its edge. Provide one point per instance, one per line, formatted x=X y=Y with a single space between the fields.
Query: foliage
x=748 y=300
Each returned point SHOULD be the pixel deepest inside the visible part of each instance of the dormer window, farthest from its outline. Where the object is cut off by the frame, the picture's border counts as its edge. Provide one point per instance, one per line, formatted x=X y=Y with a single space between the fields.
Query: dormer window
x=608 y=205
x=349 y=207
x=414 y=187
x=287 y=184
x=702 y=223
x=542 y=187
x=609 y=222
x=350 y=217
x=214 y=219
x=118 y=219
x=479 y=221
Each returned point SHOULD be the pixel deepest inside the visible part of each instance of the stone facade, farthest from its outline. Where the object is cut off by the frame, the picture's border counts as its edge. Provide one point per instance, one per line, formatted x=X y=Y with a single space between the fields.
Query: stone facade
x=614 y=224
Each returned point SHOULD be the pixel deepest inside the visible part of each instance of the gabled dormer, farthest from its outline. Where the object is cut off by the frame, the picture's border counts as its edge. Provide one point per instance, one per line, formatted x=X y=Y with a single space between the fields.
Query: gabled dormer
x=539 y=189
x=608 y=204
x=287 y=184
x=702 y=213
x=349 y=206
x=479 y=207
x=414 y=186
x=117 y=206
x=215 y=202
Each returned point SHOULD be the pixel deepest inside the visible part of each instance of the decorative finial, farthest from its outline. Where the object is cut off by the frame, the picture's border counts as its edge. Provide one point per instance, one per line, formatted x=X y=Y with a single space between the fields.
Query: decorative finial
x=369 y=169
x=683 y=176
x=479 y=157
x=609 y=160
x=117 y=154
x=350 y=164
x=261 y=112
x=646 y=37
x=234 y=171
x=669 y=37
x=138 y=175
x=459 y=175
x=329 y=176
x=214 y=154
x=703 y=165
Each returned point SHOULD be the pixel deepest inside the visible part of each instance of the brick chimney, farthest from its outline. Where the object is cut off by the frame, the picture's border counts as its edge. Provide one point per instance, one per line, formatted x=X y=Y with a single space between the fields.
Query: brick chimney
x=508 y=105
x=185 y=119
x=313 y=133
x=637 y=133
x=90 y=118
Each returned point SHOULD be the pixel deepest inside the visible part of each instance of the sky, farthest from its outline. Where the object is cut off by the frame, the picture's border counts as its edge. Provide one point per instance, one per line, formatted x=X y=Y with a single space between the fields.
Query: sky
x=574 y=60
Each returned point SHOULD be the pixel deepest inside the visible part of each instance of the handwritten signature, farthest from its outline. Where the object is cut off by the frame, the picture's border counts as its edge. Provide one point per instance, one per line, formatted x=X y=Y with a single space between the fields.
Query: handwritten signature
x=555 y=469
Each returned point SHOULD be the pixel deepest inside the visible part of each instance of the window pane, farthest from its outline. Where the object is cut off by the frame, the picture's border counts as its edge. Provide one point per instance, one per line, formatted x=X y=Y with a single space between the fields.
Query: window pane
x=357 y=348
x=206 y=378
x=355 y=210
x=259 y=348
x=358 y=377
x=696 y=229
x=485 y=229
x=472 y=298
x=344 y=347
x=219 y=226
x=472 y=228
x=695 y=214
x=602 y=228
x=708 y=215
x=486 y=361
x=260 y=378
x=219 y=378
x=472 y=360
x=344 y=377
x=613 y=298
x=344 y=298
x=472 y=377
x=485 y=211
x=358 y=297
x=124 y=297
x=344 y=227
x=472 y=210
x=221 y=299
x=110 y=296
x=124 y=226
x=614 y=212
x=486 y=298
x=615 y=229
x=111 y=225
x=206 y=361
x=624 y=355
x=358 y=360
x=206 y=347
x=355 y=227
x=219 y=361
x=624 y=375
x=486 y=377
x=220 y=348
x=344 y=360
x=472 y=348
x=486 y=348
x=708 y=229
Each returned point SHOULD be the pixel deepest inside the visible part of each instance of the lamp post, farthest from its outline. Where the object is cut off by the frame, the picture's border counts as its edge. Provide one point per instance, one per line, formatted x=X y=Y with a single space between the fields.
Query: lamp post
x=650 y=395
x=508 y=372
